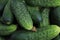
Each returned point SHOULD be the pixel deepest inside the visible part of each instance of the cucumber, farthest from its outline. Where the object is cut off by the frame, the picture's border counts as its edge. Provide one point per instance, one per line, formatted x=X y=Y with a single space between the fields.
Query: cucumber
x=7 y=30
x=35 y=14
x=43 y=3
x=7 y=17
x=45 y=17
x=46 y=33
x=21 y=13
x=57 y=38
x=55 y=16
x=2 y=5
x=2 y=38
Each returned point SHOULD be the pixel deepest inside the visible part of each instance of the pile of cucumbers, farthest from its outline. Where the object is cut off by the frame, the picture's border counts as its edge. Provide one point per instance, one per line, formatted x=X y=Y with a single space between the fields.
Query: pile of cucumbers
x=29 y=19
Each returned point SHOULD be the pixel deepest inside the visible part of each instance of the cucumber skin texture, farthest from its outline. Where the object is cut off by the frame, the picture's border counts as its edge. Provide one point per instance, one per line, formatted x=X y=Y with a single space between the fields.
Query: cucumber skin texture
x=21 y=13
x=43 y=3
x=55 y=16
x=7 y=30
x=57 y=38
x=45 y=17
x=2 y=38
x=7 y=17
x=2 y=5
x=35 y=14
x=46 y=33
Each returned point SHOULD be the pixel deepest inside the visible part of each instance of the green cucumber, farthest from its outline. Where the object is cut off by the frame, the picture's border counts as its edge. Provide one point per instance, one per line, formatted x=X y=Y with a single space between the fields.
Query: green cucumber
x=7 y=16
x=57 y=38
x=43 y=3
x=45 y=18
x=2 y=5
x=21 y=13
x=7 y=30
x=46 y=33
x=35 y=14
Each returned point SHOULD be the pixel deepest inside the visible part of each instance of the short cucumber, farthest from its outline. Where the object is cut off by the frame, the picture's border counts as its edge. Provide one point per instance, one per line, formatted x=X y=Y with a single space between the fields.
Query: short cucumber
x=21 y=13
x=7 y=30
x=7 y=16
x=45 y=17
x=35 y=14
x=46 y=33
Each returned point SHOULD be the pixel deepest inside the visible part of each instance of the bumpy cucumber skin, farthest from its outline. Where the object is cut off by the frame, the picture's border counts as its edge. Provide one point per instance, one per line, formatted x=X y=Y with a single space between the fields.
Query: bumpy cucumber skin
x=45 y=18
x=22 y=15
x=7 y=30
x=2 y=5
x=7 y=17
x=46 y=33
x=55 y=16
x=44 y=3
x=2 y=38
x=35 y=14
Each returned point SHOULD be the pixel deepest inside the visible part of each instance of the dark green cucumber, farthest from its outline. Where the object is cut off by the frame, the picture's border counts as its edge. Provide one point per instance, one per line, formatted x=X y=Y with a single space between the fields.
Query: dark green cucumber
x=45 y=18
x=57 y=38
x=7 y=16
x=46 y=33
x=7 y=30
x=43 y=3
x=2 y=38
x=2 y=5
x=21 y=13
x=35 y=14
x=55 y=16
